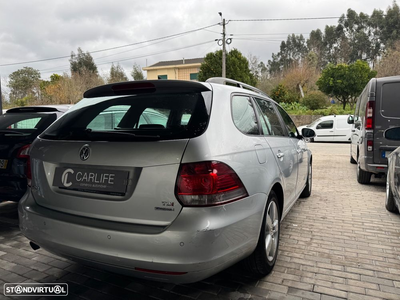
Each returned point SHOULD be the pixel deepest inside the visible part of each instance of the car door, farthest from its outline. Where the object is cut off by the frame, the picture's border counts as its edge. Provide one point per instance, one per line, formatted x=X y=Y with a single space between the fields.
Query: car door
x=283 y=149
x=324 y=131
x=300 y=150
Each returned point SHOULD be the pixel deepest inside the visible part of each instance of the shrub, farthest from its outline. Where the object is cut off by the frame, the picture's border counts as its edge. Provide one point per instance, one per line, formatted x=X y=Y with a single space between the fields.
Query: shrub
x=280 y=94
x=315 y=100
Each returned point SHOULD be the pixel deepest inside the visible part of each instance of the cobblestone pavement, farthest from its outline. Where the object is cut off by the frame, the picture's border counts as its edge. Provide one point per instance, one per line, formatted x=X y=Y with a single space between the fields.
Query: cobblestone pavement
x=339 y=243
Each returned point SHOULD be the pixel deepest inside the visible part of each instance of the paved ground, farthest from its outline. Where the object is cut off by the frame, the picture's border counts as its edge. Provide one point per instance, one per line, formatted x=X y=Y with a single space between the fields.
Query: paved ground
x=339 y=243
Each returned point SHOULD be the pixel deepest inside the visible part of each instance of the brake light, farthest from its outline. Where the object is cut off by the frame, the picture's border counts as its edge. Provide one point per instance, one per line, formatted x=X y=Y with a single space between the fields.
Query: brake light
x=208 y=183
x=23 y=152
x=369 y=115
x=370 y=145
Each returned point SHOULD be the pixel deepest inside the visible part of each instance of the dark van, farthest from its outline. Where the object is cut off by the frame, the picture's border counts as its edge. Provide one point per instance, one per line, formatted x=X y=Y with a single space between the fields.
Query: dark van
x=377 y=110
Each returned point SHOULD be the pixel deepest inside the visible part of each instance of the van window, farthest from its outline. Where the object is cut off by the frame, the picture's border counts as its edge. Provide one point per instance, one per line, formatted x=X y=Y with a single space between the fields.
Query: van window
x=325 y=125
x=390 y=100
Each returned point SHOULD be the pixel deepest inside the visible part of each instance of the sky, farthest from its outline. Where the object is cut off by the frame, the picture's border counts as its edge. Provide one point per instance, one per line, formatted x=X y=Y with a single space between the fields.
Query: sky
x=146 y=32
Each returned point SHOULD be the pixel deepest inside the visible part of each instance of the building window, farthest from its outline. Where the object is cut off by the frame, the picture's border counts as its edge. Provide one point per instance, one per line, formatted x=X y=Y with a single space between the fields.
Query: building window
x=163 y=77
x=194 y=76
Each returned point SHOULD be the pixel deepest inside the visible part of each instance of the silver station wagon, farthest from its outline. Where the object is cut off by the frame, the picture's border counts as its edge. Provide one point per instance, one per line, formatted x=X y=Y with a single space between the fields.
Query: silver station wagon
x=167 y=180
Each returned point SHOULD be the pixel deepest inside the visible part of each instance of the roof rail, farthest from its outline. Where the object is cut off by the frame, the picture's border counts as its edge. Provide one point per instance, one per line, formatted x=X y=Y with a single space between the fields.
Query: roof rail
x=222 y=80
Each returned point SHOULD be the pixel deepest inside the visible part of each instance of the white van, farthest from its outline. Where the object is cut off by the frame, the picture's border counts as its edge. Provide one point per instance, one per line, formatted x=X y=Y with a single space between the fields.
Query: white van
x=331 y=129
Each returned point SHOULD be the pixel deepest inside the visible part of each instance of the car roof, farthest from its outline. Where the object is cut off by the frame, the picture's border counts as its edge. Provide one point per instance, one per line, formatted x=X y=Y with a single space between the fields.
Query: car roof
x=39 y=108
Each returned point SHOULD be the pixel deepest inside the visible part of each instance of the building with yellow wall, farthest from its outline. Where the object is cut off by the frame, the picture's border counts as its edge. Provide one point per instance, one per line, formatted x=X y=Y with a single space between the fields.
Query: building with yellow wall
x=183 y=69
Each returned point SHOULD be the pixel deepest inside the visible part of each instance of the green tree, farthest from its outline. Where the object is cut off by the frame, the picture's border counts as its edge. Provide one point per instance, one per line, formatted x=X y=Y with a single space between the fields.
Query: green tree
x=82 y=63
x=345 y=82
x=237 y=67
x=117 y=74
x=137 y=73
x=24 y=83
x=389 y=65
x=390 y=30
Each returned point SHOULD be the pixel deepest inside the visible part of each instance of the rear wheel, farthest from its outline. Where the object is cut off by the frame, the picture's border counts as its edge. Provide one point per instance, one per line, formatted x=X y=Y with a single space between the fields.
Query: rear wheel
x=307 y=189
x=262 y=260
x=363 y=177
x=352 y=160
x=389 y=201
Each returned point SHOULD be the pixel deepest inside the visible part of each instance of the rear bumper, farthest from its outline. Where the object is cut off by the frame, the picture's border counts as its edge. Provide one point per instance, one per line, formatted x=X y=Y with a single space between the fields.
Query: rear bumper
x=377 y=168
x=199 y=243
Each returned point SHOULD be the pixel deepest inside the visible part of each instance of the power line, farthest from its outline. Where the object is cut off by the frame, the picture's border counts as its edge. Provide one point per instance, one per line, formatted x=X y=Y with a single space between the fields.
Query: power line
x=240 y=34
x=113 y=48
x=284 y=19
x=130 y=58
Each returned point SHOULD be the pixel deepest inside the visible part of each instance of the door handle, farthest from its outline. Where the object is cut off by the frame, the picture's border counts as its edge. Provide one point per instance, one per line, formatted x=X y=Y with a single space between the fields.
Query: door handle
x=280 y=155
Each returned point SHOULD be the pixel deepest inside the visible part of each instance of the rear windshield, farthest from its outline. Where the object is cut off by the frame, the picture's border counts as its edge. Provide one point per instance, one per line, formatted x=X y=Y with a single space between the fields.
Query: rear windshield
x=390 y=105
x=124 y=118
x=25 y=124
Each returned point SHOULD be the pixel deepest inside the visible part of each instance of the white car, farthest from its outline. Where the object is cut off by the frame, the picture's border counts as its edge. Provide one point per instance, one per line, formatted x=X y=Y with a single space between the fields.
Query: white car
x=330 y=129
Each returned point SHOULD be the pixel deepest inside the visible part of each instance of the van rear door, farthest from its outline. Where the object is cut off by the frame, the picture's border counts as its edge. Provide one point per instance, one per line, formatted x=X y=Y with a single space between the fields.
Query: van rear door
x=387 y=115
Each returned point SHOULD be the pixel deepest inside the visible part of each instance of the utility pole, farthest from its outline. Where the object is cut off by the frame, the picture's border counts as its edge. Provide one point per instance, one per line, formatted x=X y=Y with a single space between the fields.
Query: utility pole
x=223 y=49
x=222 y=42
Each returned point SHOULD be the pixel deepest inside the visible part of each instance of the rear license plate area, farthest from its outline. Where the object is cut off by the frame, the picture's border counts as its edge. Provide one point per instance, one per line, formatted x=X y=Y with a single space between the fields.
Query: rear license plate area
x=3 y=163
x=90 y=180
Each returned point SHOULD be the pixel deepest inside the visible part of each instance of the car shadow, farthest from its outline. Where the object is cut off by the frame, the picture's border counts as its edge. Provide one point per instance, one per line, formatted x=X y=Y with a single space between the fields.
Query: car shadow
x=9 y=213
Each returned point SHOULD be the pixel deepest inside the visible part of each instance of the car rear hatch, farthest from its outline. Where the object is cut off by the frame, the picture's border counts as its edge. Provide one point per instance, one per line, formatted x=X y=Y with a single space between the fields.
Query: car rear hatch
x=116 y=154
x=387 y=116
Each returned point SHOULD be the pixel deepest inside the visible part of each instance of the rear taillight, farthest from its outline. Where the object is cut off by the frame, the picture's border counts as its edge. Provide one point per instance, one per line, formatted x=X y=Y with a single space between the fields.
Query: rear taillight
x=370 y=145
x=208 y=183
x=23 y=152
x=369 y=115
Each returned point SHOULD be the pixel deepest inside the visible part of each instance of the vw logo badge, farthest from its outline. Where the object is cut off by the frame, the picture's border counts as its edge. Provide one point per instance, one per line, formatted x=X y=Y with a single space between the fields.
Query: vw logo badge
x=84 y=153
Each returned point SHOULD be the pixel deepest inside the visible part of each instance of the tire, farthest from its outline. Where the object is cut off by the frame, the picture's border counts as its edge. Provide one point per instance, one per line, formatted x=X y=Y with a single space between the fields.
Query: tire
x=307 y=189
x=363 y=177
x=262 y=260
x=352 y=160
x=389 y=199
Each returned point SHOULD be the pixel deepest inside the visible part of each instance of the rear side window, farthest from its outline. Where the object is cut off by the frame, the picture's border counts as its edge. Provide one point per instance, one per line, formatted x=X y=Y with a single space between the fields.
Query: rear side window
x=390 y=100
x=244 y=116
x=125 y=118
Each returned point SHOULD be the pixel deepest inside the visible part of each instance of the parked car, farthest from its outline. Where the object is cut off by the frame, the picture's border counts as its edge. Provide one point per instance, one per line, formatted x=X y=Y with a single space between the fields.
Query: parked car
x=18 y=128
x=392 y=202
x=377 y=110
x=332 y=128
x=173 y=201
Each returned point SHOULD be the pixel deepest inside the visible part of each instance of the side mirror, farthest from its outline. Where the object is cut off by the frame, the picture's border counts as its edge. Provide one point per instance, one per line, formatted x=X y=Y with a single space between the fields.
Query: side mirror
x=350 y=120
x=307 y=133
